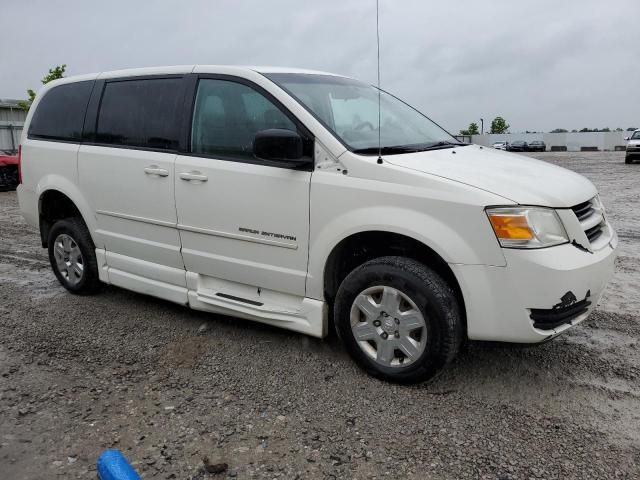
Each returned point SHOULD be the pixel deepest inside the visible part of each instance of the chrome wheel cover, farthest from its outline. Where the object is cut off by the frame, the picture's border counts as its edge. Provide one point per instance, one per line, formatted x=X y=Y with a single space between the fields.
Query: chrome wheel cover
x=68 y=259
x=388 y=326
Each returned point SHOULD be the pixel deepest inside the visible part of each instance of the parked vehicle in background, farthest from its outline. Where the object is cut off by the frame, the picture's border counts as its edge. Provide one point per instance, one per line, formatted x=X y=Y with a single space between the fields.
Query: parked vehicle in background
x=633 y=147
x=501 y=145
x=260 y=193
x=518 y=146
x=537 y=146
x=8 y=172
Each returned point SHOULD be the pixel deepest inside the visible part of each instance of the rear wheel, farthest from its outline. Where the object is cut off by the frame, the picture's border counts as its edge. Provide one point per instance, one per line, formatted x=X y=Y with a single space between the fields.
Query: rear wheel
x=73 y=257
x=398 y=319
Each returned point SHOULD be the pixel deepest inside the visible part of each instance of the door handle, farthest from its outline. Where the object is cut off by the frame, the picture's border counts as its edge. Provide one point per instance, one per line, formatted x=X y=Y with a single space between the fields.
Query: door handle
x=193 y=176
x=155 y=170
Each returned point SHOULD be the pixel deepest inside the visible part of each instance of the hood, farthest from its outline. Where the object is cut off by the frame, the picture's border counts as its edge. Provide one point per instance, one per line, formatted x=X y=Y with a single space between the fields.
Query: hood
x=518 y=178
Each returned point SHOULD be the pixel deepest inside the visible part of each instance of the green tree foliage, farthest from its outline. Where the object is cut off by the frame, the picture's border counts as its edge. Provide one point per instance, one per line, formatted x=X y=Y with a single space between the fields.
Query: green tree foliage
x=499 y=125
x=558 y=130
x=54 y=74
x=584 y=130
x=472 y=130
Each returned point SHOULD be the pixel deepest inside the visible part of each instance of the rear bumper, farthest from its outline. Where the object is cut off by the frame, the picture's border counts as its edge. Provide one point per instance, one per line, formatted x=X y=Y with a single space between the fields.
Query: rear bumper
x=28 y=205
x=538 y=295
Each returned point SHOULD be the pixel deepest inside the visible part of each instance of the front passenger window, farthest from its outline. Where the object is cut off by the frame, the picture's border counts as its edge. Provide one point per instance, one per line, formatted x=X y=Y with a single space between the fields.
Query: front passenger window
x=228 y=115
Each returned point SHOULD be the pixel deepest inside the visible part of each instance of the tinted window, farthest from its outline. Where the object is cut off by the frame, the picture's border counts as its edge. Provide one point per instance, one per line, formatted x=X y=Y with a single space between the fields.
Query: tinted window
x=228 y=115
x=60 y=113
x=141 y=113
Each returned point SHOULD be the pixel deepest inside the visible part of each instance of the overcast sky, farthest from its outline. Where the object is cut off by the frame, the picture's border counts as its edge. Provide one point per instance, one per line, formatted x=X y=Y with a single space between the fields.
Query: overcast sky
x=541 y=64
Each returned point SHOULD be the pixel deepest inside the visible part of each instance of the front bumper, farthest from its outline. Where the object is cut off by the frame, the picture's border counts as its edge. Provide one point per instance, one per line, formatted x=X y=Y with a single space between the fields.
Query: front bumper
x=633 y=153
x=499 y=300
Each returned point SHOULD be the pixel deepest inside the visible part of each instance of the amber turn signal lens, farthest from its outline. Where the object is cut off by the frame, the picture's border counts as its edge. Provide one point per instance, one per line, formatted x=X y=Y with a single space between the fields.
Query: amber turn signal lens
x=511 y=227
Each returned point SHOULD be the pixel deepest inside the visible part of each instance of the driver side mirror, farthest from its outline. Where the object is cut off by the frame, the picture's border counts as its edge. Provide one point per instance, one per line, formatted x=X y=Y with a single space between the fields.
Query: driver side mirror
x=627 y=138
x=279 y=146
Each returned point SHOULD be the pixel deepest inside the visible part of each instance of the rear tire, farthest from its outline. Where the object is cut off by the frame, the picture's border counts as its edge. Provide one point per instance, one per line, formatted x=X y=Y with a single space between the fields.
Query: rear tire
x=412 y=327
x=72 y=255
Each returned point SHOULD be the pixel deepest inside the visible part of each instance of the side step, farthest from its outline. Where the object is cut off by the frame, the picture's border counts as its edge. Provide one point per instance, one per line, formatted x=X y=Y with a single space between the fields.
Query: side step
x=292 y=312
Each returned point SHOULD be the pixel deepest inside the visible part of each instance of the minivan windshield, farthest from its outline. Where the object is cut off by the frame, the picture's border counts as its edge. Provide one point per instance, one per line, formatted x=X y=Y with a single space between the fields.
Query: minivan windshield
x=349 y=109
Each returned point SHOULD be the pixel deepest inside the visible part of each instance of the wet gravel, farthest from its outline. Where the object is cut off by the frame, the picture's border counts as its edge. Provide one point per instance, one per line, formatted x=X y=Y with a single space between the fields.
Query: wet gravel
x=169 y=386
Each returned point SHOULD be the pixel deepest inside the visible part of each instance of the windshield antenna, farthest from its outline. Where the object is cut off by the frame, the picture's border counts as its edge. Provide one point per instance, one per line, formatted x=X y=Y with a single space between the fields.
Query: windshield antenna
x=378 y=43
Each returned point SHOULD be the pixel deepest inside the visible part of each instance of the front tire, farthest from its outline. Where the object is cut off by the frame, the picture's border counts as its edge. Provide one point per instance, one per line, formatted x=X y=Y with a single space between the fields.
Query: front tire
x=72 y=255
x=627 y=160
x=398 y=319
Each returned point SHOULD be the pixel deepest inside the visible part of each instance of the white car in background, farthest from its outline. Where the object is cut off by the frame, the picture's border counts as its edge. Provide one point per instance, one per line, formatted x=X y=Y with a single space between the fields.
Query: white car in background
x=273 y=194
x=501 y=145
x=633 y=147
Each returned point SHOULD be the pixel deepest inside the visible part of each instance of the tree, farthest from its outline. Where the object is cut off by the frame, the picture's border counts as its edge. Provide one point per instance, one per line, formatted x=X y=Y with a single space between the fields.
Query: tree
x=54 y=74
x=499 y=125
x=631 y=129
x=558 y=130
x=472 y=130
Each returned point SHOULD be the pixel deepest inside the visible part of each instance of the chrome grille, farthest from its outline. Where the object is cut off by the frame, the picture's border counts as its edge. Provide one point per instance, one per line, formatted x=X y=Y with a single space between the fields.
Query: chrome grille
x=594 y=232
x=590 y=214
x=583 y=210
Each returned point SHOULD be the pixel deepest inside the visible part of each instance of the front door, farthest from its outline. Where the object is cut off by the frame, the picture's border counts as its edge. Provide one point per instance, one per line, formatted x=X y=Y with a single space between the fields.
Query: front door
x=239 y=219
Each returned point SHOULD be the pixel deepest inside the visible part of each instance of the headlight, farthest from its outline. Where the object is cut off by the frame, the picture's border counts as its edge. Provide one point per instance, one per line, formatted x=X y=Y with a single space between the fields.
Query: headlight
x=527 y=227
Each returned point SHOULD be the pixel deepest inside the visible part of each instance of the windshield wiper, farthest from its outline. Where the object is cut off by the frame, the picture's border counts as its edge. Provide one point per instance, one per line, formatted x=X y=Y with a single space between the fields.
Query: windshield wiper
x=440 y=145
x=416 y=147
x=387 y=150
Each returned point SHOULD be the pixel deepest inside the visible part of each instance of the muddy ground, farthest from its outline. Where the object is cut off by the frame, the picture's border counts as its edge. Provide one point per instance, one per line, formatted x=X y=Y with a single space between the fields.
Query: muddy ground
x=169 y=386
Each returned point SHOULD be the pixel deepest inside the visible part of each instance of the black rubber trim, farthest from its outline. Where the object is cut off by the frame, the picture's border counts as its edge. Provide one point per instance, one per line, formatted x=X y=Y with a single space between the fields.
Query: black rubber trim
x=548 y=319
x=239 y=299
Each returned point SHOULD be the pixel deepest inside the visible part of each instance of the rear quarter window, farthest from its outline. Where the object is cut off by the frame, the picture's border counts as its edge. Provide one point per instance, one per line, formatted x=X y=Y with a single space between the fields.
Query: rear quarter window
x=60 y=113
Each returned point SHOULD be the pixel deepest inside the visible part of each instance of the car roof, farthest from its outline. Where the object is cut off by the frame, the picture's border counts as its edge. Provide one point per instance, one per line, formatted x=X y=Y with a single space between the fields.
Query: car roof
x=183 y=69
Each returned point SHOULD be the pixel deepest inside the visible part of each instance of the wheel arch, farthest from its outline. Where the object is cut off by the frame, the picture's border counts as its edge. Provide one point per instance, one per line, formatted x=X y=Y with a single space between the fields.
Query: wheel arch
x=56 y=202
x=358 y=248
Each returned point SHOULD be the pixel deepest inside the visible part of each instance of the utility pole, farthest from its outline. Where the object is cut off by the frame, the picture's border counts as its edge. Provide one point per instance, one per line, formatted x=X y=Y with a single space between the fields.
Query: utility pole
x=482 y=126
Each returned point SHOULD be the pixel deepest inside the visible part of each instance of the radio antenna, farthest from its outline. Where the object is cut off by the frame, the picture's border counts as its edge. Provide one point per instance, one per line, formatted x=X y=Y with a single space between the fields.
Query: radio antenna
x=378 y=66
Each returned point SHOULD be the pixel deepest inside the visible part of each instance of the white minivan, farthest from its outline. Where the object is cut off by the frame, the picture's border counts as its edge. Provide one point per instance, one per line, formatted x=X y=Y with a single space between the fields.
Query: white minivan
x=284 y=196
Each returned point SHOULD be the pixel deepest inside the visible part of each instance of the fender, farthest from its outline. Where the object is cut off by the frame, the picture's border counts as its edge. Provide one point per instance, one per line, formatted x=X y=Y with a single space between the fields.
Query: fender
x=433 y=233
x=71 y=190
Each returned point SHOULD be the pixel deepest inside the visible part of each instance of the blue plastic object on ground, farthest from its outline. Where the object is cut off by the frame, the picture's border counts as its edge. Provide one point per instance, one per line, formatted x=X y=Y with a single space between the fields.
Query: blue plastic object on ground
x=113 y=466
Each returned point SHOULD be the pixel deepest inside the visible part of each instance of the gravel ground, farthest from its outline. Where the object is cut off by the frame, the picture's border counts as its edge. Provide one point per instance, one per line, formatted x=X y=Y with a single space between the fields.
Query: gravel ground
x=169 y=386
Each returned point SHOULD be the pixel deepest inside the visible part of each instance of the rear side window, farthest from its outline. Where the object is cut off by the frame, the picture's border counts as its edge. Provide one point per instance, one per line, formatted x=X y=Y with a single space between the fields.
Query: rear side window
x=141 y=113
x=60 y=113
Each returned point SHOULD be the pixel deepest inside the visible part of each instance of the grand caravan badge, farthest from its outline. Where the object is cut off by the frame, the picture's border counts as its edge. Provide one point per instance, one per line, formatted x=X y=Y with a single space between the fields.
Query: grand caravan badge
x=264 y=233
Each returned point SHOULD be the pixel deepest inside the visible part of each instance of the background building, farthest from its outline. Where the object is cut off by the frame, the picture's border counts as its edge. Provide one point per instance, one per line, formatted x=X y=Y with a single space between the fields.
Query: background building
x=12 y=119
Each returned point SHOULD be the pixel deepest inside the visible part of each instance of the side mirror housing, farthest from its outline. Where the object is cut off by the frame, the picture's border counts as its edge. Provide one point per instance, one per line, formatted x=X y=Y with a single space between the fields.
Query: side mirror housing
x=280 y=147
x=627 y=138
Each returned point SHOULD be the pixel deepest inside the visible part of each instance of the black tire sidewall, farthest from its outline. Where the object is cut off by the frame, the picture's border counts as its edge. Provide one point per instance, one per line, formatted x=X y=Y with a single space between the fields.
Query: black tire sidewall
x=78 y=232
x=432 y=296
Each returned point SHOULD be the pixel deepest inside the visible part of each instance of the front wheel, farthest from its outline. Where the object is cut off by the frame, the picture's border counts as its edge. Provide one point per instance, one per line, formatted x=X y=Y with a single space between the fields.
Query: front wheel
x=398 y=319
x=73 y=256
x=627 y=159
